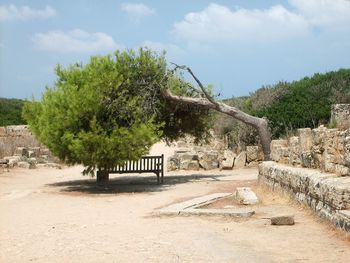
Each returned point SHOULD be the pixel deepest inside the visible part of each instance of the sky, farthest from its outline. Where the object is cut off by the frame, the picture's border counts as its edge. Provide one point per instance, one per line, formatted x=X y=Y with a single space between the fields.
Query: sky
x=237 y=46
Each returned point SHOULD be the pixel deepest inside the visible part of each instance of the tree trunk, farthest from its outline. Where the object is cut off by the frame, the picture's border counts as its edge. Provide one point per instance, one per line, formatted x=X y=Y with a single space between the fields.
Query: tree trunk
x=259 y=124
x=102 y=176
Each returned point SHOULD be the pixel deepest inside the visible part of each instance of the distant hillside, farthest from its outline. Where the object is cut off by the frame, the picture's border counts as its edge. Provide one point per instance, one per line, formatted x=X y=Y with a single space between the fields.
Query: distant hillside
x=10 y=112
x=288 y=106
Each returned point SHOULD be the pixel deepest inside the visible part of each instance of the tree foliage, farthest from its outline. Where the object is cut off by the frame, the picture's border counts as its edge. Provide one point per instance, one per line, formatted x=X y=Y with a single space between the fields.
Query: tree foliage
x=112 y=110
x=10 y=112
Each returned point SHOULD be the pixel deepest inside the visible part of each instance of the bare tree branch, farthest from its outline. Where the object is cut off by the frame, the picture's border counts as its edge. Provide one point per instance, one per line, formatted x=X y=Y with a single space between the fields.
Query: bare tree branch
x=210 y=103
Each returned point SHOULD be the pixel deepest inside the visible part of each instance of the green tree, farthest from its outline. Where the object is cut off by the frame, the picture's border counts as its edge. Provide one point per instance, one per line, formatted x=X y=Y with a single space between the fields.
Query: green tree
x=112 y=110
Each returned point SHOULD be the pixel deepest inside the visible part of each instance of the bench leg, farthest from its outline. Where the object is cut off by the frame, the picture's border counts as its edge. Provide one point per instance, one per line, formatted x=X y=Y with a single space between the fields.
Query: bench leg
x=158 y=181
x=102 y=176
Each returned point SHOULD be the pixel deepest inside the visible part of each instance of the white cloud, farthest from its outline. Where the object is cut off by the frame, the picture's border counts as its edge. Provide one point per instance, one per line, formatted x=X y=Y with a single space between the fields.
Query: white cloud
x=137 y=10
x=328 y=13
x=218 y=23
x=75 y=41
x=171 y=49
x=12 y=12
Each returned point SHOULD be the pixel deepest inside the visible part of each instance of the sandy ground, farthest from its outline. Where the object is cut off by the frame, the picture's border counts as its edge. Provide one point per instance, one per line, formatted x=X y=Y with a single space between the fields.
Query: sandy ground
x=49 y=215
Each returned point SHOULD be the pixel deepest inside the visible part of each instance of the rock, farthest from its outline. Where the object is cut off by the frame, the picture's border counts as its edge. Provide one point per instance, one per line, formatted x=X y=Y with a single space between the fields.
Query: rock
x=240 y=160
x=21 y=151
x=252 y=153
x=246 y=196
x=282 y=220
x=228 y=160
x=209 y=160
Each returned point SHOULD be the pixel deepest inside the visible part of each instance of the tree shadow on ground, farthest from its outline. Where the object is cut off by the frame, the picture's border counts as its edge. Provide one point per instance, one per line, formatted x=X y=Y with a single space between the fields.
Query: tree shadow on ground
x=129 y=184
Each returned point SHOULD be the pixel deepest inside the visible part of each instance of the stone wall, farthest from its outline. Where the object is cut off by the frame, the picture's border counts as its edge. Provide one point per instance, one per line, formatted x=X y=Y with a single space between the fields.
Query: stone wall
x=340 y=116
x=326 y=193
x=215 y=155
x=327 y=150
x=19 y=148
x=15 y=136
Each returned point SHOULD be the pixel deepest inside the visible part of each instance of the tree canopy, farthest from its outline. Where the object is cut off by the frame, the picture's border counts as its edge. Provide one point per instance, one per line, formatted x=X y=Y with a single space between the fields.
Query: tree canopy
x=112 y=109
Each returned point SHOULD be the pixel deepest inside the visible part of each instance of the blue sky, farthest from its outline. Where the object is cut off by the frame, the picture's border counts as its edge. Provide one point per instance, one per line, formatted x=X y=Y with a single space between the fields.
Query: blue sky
x=237 y=46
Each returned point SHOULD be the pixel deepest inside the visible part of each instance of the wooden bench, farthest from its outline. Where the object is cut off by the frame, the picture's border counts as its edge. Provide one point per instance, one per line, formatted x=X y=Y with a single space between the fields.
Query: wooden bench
x=147 y=164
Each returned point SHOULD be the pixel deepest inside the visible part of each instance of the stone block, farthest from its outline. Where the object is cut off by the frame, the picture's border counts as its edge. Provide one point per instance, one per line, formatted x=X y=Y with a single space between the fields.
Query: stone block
x=246 y=196
x=240 y=160
x=228 y=160
x=282 y=220
x=173 y=163
x=252 y=153
x=209 y=160
x=275 y=148
x=340 y=115
x=193 y=165
x=21 y=151
x=305 y=139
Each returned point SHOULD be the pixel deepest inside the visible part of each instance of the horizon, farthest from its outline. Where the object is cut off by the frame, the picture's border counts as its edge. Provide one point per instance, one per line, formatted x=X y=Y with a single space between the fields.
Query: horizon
x=246 y=95
x=237 y=46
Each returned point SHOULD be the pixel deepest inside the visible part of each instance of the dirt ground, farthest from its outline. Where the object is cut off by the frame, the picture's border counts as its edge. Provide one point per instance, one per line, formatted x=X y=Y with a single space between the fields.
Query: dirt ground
x=49 y=215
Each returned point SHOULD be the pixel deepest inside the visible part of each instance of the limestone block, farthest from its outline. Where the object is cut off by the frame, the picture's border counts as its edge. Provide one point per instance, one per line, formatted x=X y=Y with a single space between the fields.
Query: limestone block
x=252 y=153
x=275 y=147
x=305 y=139
x=240 y=160
x=193 y=165
x=21 y=151
x=307 y=159
x=209 y=160
x=293 y=151
x=282 y=220
x=340 y=115
x=246 y=196
x=228 y=159
x=173 y=163
x=35 y=151
x=187 y=156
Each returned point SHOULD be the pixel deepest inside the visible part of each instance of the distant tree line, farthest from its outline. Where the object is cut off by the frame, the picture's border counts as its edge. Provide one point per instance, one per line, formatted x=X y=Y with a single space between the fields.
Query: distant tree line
x=288 y=106
x=11 y=112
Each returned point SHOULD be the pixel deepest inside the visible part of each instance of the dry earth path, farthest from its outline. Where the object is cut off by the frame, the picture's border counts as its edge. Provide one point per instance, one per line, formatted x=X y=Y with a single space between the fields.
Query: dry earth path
x=49 y=215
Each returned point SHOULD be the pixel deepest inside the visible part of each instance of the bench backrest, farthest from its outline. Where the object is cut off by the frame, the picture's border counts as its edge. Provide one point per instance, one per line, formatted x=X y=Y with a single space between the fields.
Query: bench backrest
x=147 y=164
